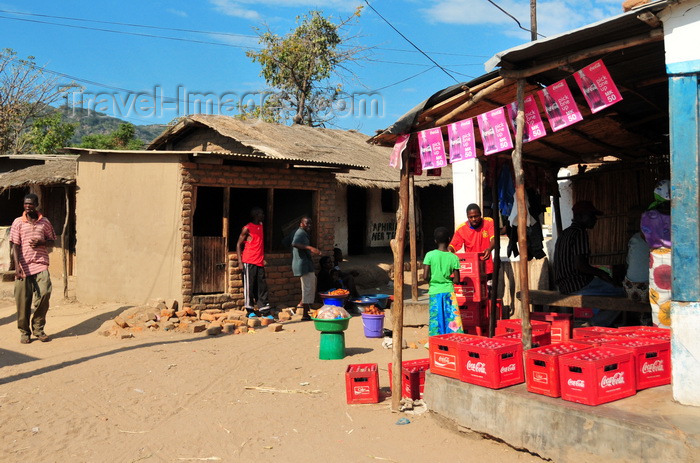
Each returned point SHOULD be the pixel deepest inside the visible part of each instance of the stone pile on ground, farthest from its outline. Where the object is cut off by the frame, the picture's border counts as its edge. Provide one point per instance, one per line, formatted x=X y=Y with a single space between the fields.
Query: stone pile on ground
x=157 y=316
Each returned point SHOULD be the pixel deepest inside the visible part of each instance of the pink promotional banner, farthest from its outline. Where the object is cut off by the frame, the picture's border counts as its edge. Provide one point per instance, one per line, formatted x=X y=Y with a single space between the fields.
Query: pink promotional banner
x=462 y=143
x=399 y=146
x=597 y=86
x=431 y=149
x=559 y=105
x=495 y=135
x=534 y=127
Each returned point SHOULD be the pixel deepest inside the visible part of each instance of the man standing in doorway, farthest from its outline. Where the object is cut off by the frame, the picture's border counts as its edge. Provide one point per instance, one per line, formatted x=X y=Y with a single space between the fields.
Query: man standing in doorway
x=476 y=235
x=251 y=262
x=303 y=266
x=573 y=272
x=31 y=235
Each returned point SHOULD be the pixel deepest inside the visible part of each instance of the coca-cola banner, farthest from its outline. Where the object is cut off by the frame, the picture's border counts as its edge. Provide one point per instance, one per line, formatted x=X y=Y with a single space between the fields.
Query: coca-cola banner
x=461 y=137
x=431 y=149
x=495 y=135
x=559 y=105
x=534 y=127
x=597 y=86
x=399 y=146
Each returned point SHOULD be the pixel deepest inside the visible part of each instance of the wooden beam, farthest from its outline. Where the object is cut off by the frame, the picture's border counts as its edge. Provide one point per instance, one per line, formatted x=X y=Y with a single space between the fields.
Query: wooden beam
x=654 y=35
x=463 y=107
x=494 y=315
x=522 y=214
x=412 y=235
x=397 y=246
x=447 y=104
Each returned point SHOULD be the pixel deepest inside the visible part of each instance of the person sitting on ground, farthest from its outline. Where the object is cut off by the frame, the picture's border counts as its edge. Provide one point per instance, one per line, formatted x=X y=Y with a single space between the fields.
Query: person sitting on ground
x=441 y=270
x=348 y=278
x=573 y=273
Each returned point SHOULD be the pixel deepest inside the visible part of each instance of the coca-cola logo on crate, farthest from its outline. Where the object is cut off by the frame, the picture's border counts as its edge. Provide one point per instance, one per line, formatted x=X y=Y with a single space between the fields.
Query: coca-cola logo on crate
x=579 y=383
x=476 y=367
x=540 y=377
x=653 y=367
x=614 y=380
x=448 y=362
x=508 y=368
x=361 y=390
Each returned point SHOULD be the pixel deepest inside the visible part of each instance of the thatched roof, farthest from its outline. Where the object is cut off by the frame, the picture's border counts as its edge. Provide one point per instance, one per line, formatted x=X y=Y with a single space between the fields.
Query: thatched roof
x=51 y=173
x=277 y=141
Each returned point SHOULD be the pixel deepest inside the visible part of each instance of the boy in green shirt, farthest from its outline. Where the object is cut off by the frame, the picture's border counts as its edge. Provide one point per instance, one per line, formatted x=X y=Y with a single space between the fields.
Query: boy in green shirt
x=441 y=270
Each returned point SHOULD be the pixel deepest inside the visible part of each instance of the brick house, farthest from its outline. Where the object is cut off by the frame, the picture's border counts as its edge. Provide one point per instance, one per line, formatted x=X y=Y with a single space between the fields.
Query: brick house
x=163 y=223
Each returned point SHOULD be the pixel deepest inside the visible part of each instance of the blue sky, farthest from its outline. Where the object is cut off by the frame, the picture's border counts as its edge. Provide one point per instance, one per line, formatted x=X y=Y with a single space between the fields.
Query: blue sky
x=125 y=73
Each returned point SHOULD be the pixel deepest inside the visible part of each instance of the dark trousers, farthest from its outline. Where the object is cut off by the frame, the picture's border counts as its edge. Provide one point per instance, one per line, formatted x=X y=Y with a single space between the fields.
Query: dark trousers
x=37 y=287
x=255 y=287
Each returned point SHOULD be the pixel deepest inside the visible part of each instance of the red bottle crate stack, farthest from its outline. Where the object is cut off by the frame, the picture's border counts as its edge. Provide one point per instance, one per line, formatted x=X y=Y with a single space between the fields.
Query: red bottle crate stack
x=601 y=340
x=593 y=331
x=561 y=324
x=653 y=332
x=583 y=312
x=493 y=363
x=514 y=325
x=412 y=378
x=470 y=265
x=470 y=290
x=596 y=376
x=652 y=361
x=445 y=353
x=539 y=338
x=473 y=314
x=542 y=367
x=362 y=383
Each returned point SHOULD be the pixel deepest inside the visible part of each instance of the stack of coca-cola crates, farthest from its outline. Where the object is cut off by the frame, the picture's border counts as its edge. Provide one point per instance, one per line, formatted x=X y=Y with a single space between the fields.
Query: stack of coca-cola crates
x=472 y=294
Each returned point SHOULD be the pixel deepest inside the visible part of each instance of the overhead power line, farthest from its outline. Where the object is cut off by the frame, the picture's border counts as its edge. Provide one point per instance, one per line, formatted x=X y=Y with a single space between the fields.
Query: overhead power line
x=196 y=31
x=412 y=44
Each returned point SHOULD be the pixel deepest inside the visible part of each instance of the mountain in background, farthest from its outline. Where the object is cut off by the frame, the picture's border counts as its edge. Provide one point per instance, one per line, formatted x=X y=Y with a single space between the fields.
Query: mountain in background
x=93 y=122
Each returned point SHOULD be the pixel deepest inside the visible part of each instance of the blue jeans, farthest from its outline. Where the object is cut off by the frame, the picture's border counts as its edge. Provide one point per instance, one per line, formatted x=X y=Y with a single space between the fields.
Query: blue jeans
x=600 y=287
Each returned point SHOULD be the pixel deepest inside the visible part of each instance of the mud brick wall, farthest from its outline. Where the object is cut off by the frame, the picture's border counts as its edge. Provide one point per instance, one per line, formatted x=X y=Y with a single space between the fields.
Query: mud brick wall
x=285 y=289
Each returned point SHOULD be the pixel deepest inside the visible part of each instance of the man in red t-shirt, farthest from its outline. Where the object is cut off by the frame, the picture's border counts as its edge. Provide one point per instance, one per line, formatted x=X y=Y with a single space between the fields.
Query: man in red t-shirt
x=251 y=262
x=476 y=235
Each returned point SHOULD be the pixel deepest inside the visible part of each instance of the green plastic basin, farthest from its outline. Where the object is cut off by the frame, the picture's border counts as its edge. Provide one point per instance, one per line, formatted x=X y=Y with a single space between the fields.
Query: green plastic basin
x=332 y=325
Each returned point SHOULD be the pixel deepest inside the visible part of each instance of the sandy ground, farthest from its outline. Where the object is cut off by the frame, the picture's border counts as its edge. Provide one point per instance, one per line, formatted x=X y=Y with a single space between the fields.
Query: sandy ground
x=170 y=397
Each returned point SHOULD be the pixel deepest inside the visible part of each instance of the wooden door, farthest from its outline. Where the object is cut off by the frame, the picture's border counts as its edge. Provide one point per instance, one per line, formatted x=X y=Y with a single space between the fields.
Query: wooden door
x=209 y=267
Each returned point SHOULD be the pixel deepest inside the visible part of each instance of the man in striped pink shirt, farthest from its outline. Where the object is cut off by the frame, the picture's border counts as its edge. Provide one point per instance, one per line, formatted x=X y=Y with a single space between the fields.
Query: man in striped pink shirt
x=31 y=234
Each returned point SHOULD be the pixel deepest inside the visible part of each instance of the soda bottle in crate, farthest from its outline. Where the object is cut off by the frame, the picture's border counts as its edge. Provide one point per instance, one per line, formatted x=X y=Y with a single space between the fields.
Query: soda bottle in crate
x=596 y=376
x=539 y=338
x=560 y=324
x=493 y=363
x=412 y=378
x=445 y=352
x=514 y=325
x=600 y=340
x=362 y=383
x=593 y=331
x=652 y=360
x=542 y=367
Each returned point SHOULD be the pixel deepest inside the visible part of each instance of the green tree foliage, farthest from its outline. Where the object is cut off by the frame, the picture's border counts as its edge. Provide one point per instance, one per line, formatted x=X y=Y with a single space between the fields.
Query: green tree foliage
x=48 y=134
x=301 y=63
x=269 y=111
x=124 y=138
x=25 y=92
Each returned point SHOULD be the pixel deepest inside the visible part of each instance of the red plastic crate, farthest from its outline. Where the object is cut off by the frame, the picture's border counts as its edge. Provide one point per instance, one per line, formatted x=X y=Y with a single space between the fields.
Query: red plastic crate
x=514 y=325
x=596 y=376
x=412 y=378
x=482 y=330
x=653 y=331
x=470 y=265
x=561 y=324
x=445 y=353
x=583 y=312
x=470 y=290
x=473 y=314
x=539 y=338
x=652 y=361
x=542 y=367
x=362 y=383
x=493 y=363
x=593 y=331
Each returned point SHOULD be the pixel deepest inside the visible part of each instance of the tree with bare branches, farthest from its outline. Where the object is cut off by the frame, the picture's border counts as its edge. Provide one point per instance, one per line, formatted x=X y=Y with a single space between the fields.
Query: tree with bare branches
x=25 y=93
x=300 y=64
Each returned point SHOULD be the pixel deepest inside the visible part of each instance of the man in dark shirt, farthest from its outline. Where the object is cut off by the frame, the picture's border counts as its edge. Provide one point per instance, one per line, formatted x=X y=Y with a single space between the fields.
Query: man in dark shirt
x=573 y=273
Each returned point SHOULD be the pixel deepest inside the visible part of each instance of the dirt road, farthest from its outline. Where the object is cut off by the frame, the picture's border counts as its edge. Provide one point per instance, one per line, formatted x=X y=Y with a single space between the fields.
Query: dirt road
x=172 y=397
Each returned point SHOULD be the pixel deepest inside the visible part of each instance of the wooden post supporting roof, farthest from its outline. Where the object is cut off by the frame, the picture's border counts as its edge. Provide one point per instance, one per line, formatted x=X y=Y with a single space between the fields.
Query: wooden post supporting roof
x=412 y=235
x=522 y=215
x=495 y=207
x=397 y=246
